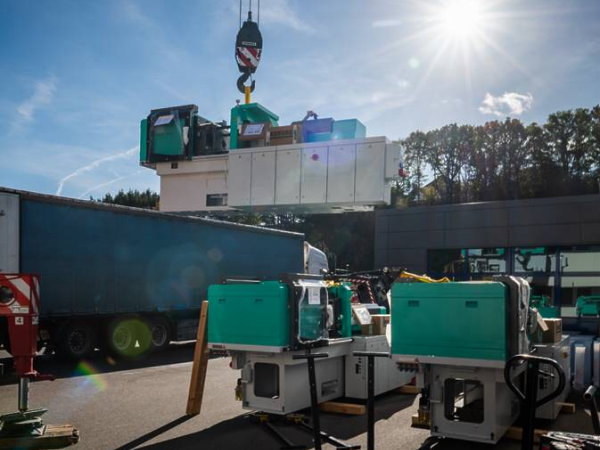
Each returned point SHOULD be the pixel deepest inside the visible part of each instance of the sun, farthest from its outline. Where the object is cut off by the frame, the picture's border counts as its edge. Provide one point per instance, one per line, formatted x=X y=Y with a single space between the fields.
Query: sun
x=459 y=19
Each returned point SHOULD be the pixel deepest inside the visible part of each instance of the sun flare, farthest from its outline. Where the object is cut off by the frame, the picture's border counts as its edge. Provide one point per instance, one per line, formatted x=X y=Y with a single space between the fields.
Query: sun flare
x=459 y=19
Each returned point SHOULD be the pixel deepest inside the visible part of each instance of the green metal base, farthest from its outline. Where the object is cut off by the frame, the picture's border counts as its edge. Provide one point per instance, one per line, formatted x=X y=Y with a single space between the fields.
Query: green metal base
x=23 y=424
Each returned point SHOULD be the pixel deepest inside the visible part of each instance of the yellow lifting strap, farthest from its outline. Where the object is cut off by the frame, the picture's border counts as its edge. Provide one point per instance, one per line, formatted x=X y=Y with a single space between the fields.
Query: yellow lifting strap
x=423 y=278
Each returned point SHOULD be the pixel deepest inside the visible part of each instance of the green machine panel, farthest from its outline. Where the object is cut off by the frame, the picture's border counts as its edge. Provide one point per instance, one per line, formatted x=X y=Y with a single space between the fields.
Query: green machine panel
x=451 y=320
x=144 y=140
x=253 y=314
x=168 y=136
x=249 y=113
x=344 y=293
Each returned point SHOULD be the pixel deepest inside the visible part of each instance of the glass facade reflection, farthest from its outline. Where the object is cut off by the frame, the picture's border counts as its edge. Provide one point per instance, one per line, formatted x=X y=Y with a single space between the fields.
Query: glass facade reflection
x=561 y=274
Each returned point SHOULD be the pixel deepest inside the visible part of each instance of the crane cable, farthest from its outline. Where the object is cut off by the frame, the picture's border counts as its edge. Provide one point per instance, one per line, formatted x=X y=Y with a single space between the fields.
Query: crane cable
x=248 y=49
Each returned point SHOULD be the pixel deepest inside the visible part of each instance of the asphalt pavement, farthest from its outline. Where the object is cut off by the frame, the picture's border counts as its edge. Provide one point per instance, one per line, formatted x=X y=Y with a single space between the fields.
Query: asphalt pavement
x=141 y=405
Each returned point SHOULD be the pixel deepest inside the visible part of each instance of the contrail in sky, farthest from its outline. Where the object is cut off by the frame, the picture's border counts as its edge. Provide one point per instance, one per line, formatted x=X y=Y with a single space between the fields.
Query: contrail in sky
x=114 y=180
x=94 y=164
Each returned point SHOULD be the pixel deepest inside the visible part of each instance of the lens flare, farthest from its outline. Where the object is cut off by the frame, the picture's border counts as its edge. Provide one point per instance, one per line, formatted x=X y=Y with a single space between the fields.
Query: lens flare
x=91 y=375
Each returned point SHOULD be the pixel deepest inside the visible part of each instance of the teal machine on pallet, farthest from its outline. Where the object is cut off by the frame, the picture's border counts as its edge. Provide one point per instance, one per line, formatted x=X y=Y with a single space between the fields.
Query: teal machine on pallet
x=588 y=305
x=461 y=335
x=543 y=304
x=178 y=133
x=263 y=324
x=270 y=316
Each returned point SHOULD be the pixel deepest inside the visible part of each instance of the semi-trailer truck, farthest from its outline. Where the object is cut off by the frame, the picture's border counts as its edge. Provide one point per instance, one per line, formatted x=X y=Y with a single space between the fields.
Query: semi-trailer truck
x=126 y=279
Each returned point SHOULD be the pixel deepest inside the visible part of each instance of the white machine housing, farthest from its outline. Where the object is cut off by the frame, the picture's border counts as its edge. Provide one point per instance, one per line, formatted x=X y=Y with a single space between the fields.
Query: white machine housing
x=317 y=177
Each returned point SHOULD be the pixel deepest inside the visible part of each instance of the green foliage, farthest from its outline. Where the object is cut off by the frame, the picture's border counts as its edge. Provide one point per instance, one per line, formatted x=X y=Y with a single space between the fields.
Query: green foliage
x=503 y=160
x=138 y=199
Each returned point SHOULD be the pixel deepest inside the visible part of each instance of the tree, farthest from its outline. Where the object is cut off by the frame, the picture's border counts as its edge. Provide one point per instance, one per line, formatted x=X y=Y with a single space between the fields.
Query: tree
x=448 y=151
x=138 y=199
x=415 y=160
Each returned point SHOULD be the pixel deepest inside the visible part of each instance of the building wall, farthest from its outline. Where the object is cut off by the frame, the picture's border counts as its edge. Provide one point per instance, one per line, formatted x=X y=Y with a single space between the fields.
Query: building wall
x=403 y=237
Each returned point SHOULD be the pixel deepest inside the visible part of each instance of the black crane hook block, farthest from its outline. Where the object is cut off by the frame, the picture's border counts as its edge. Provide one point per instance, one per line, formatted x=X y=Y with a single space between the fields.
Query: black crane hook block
x=248 y=49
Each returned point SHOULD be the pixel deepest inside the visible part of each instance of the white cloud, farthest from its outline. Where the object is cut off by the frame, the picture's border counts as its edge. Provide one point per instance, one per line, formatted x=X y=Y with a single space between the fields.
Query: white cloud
x=43 y=92
x=280 y=12
x=509 y=103
x=93 y=165
x=384 y=23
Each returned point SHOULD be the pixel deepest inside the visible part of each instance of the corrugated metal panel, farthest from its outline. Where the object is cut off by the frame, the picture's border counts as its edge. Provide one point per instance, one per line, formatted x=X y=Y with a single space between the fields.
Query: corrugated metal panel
x=314 y=175
x=340 y=175
x=98 y=260
x=370 y=171
x=287 y=181
x=9 y=233
x=263 y=178
x=239 y=178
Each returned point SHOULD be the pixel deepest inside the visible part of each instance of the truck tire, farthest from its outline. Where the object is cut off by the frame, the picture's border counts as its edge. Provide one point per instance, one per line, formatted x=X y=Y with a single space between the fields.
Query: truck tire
x=128 y=337
x=160 y=330
x=77 y=340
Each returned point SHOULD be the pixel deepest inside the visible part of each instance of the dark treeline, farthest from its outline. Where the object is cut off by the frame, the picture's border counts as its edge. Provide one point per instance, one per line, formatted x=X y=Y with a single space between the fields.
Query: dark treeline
x=139 y=199
x=504 y=160
x=346 y=239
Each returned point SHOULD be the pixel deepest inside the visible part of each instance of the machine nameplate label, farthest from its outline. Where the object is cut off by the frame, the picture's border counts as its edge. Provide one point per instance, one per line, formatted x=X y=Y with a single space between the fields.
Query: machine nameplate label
x=17 y=309
x=314 y=295
x=254 y=129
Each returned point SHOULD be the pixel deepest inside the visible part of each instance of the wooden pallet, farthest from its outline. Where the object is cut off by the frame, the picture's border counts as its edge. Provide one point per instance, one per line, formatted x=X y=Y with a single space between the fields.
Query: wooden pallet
x=409 y=389
x=200 y=364
x=417 y=422
x=567 y=408
x=350 y=409
x=55 y=436
x=516 y=434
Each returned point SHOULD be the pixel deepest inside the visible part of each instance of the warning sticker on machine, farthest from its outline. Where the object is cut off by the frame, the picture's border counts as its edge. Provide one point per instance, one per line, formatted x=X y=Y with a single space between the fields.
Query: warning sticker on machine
x=19 y=321
x=16 y=309
x=314 y=295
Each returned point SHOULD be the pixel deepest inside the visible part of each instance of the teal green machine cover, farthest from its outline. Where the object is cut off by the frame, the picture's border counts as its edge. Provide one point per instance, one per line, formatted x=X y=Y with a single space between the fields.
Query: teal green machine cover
x=254 y=314
x=451 y=320
x=250 y=113
x=263 y=314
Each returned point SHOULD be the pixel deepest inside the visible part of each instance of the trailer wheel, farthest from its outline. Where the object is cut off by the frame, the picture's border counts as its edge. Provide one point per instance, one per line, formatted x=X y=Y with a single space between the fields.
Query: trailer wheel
x=129 y=337
x=77 y=340
x=160 y=331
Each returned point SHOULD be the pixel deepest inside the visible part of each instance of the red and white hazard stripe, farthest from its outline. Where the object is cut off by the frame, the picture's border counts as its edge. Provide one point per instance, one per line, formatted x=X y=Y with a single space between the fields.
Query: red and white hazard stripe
x=26 y=289
x=248 y=56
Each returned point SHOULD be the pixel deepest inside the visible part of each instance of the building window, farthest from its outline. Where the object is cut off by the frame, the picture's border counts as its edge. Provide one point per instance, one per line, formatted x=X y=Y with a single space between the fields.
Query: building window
x=446 y=262
x=216 y=200
x=558 y=274
x=535 y=259
x=487 y=260
x=580 y=259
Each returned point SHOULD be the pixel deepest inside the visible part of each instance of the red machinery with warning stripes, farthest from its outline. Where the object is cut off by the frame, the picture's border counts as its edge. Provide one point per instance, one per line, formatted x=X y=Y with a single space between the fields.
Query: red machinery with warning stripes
x=248 y=49
x=19 y=305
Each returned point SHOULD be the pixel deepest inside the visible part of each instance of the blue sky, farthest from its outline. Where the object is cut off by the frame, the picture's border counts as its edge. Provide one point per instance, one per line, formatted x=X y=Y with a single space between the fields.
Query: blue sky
x=77 y=75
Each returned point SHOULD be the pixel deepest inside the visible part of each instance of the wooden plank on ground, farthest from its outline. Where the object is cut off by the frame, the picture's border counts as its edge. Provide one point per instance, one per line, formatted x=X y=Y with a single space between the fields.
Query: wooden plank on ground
x=567 y=408
x=351 y=409
x=516 y=434
x=417 y=422
x=55 y=436
x=410 y=389
x=199 y=366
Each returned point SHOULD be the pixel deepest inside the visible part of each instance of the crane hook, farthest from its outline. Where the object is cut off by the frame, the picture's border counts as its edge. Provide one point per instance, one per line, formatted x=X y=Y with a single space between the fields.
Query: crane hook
x=241 y=80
